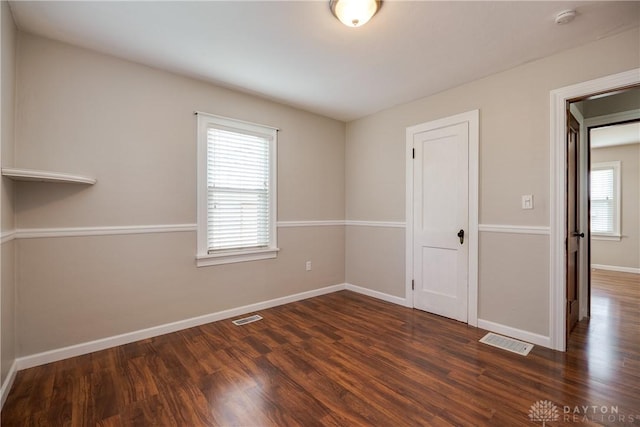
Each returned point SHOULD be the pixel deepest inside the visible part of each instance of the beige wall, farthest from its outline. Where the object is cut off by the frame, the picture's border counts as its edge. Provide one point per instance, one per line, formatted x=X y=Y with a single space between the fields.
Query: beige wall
x=7 y=276
x=8 y=318
x=133 y=128
x=514 y=160
x=74 y=290
x=374 y=260
x=626 y=252
x=511 y=267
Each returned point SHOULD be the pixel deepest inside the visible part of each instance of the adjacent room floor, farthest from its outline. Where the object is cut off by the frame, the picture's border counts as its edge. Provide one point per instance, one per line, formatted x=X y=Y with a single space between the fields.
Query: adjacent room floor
x=346 y=359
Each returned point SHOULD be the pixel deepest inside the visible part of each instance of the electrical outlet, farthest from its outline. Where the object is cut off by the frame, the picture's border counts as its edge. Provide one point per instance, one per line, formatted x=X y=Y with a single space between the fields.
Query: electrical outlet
x=307 y=265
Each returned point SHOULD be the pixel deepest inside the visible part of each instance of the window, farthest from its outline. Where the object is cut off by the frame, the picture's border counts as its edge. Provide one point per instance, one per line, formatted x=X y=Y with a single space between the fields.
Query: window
x=236 y=191
x=605 y=200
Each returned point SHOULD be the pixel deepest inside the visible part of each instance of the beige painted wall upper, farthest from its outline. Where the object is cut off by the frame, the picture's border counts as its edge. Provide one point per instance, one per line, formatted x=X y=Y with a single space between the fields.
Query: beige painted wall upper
x=626 y=251
x=514 y=134
x=8 y=112
x=133 y=128
x=7 y=118
x=514 y=160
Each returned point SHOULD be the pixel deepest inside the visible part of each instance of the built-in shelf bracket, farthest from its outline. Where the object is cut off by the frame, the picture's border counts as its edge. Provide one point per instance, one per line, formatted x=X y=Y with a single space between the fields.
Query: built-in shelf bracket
x=19 y=174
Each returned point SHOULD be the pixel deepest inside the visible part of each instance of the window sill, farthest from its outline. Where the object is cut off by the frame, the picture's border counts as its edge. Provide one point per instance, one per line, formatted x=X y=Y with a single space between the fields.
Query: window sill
x=614 y=237
x=230 y=257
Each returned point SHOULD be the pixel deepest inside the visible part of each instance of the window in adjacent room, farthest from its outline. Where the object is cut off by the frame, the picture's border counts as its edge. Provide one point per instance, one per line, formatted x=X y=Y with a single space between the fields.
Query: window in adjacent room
x=236 y=191
x=605 y=199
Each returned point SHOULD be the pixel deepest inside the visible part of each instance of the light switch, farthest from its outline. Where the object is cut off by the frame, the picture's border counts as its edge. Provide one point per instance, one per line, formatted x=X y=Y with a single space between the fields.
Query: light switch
x=527 y=201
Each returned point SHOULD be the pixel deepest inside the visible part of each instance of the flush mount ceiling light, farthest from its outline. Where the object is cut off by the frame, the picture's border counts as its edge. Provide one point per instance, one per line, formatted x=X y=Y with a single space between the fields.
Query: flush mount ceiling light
x=565 y=17
x=354 y=13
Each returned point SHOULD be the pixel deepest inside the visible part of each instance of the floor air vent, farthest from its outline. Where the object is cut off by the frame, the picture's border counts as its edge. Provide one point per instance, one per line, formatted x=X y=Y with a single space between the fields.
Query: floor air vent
x=507 y=343
x=245 y=320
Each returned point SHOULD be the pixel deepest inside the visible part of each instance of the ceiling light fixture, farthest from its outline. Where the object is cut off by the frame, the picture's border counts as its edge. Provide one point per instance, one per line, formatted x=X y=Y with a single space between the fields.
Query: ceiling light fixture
x=565 y=17
x=354 y=13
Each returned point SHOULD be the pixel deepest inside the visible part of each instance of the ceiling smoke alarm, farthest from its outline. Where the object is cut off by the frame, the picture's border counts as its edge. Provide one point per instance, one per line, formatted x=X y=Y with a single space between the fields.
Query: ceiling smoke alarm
x=565 y=17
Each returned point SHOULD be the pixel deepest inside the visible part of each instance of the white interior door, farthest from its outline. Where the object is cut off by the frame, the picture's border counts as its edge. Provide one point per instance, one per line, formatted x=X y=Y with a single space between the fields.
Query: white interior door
x=440 y=216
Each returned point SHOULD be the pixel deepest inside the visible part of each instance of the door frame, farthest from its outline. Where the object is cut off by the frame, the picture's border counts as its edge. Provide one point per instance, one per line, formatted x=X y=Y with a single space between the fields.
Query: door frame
x=473 y=120
x=557 y=209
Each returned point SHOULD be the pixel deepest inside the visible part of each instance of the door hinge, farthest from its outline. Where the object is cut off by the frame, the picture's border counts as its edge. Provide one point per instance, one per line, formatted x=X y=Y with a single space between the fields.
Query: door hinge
x=413 y=153
x=413 y=285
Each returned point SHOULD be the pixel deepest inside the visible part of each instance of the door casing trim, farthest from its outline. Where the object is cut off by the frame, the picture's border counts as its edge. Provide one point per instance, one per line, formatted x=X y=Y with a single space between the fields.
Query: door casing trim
x=557 y=182
x=473 y=119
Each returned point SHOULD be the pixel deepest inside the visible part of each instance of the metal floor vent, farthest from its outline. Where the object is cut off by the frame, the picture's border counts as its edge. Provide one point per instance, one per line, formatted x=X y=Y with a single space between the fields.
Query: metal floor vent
x=245 y=320
x=506 y=343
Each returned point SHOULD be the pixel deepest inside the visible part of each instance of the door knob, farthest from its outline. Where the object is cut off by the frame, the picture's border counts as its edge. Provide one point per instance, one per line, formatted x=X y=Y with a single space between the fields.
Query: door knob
x=461 y=236
x=576 y=234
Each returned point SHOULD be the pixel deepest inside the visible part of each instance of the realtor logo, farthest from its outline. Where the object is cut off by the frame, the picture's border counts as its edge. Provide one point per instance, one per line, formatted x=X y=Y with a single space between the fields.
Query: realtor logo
x=544 y=410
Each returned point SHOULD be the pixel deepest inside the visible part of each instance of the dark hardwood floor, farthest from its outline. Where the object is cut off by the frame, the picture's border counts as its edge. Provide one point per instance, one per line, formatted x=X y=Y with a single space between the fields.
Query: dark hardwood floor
x=344 y=359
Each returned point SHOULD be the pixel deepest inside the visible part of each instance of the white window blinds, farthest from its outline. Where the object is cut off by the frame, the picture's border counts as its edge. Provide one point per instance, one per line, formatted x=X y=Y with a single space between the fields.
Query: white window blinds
x=238 y=190
x=605 y=198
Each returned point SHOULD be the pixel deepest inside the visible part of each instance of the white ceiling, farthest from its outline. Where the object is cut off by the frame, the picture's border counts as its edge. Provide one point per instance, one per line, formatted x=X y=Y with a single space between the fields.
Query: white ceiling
x=608 y=136
x=297 y=53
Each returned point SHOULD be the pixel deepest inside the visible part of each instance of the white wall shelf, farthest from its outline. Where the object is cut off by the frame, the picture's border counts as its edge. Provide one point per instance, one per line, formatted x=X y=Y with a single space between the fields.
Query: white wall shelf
x=19 y=174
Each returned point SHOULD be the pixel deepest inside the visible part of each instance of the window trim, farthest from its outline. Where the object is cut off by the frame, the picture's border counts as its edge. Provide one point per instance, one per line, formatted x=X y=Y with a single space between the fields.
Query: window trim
x=203 y=257
x=616 y=234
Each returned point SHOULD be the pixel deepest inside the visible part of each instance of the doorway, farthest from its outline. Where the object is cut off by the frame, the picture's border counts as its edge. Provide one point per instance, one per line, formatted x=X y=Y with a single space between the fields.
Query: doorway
x=611 y=123
x=442 y=244
x=560 y=103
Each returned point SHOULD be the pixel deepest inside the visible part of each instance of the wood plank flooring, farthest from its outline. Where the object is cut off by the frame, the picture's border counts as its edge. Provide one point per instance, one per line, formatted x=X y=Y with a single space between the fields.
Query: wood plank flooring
x=344 y=359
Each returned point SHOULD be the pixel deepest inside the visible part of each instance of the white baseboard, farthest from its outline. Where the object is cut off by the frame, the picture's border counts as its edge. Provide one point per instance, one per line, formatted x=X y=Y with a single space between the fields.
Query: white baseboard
x=376 y=294
x=515 y=333
x=104 y=343
x=616 y=268
x=8 y=382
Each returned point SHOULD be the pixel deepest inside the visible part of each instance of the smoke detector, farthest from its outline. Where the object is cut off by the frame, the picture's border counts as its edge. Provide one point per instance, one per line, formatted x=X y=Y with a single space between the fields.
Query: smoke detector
x=565 y=17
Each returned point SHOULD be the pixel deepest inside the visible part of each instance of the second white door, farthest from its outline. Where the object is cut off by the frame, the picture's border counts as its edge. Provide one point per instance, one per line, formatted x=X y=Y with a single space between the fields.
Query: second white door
x=441 y=220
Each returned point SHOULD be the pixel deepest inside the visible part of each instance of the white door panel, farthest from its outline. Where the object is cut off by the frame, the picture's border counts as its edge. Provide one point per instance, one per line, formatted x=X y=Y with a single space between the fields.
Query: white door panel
x=440 y=210
x=440 y=265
